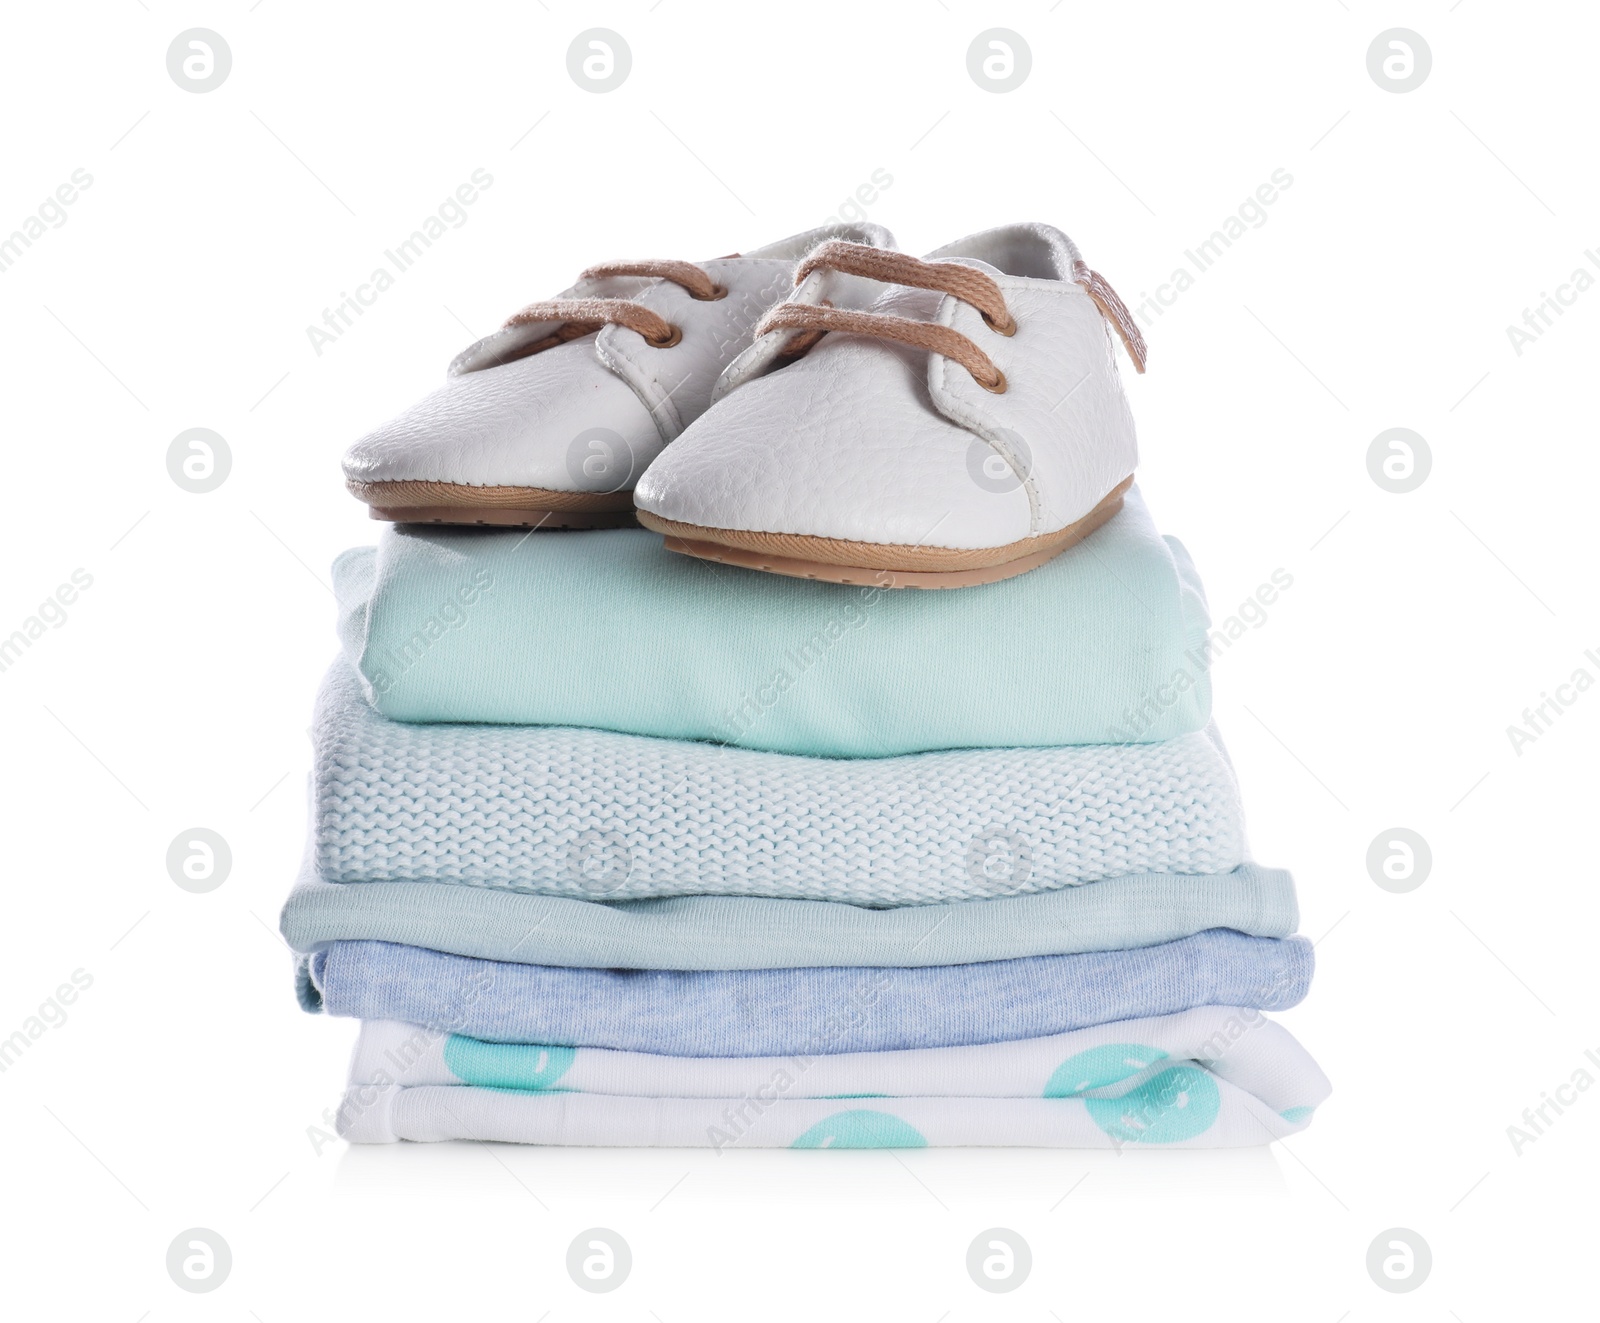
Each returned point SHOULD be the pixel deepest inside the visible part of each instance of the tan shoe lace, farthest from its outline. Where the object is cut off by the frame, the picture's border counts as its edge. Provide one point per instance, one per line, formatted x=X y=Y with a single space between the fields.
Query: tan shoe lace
x=966 y=283
x=579 y=317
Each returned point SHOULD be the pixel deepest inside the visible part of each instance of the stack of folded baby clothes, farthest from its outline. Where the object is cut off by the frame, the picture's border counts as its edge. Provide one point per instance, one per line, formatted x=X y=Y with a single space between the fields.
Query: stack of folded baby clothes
x=613 y=846
x=720 y=832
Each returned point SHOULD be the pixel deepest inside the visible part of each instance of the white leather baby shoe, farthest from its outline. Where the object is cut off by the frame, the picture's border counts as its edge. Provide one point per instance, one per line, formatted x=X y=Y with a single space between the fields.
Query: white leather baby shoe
x=968 y=427
x=549 y=421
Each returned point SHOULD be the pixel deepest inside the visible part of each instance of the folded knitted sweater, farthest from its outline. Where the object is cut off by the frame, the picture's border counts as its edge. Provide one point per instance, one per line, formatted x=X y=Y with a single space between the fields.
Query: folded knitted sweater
x=594 y=814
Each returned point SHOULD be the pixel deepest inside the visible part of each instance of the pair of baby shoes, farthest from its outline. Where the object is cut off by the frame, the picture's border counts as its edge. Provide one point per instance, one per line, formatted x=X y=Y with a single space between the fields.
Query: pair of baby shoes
x=825 y=406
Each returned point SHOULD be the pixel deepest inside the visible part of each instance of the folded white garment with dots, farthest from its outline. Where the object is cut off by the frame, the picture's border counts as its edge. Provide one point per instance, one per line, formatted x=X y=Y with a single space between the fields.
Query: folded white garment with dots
x=1214 y=1077
x=598 y=815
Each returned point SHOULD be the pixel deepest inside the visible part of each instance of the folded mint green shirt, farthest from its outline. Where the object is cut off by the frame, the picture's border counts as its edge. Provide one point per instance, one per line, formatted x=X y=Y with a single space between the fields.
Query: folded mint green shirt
x=608 y=630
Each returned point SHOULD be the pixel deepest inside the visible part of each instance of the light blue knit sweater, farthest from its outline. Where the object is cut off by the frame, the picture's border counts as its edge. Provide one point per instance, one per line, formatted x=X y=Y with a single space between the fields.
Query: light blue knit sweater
x=598 y=815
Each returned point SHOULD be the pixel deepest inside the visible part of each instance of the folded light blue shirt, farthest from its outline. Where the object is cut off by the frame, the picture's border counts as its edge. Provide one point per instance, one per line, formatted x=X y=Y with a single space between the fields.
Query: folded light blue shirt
x=756 y=932
x=776 y=1012
x=1105 y=644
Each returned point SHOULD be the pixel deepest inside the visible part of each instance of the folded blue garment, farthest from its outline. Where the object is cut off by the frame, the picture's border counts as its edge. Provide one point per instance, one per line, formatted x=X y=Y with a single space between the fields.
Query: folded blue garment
x=1105 y=644
x=750 y=932
x=776 y=1012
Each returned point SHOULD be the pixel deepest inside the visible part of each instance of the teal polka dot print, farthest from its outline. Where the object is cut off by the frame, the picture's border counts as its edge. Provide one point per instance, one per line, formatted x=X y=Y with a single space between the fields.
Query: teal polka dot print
x=1172 y=1105
x=861 y=1129
x=506 y=1065
x=1177 y=1104
x=1099 y=1068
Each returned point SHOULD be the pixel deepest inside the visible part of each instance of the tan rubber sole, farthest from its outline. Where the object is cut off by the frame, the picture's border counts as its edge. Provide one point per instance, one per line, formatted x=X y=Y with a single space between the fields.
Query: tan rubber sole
x=837 y=560
x=499 y=507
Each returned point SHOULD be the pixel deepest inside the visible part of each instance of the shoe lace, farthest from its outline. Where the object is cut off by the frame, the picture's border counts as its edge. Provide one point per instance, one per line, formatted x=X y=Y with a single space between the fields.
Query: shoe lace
x=971 y=286
x=580 y=317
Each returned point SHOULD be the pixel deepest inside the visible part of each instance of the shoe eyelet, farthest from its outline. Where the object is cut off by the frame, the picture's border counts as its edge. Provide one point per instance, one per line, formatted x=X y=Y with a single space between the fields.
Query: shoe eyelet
x=1008 y=330
x=999 y=388
x=675 y=336
x=718 y=292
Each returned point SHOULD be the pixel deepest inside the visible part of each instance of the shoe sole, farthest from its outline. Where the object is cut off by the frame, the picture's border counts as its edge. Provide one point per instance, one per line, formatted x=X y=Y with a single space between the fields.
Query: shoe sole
x=836 y=560
x=416 y=502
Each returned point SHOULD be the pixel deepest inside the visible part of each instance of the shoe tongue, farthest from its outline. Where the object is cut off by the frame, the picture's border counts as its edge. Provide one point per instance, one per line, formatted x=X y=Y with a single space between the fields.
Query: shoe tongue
x=977 y=264
x=1033 y=250
x=922 y=304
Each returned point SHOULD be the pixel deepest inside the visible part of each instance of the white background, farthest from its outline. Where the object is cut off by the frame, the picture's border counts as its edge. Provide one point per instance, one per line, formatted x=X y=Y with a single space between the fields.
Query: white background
x=180 y=1090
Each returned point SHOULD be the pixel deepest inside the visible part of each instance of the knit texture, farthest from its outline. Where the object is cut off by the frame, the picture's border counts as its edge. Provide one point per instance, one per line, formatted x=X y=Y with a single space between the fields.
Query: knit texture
x=594 y=814
x=775 y=1012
